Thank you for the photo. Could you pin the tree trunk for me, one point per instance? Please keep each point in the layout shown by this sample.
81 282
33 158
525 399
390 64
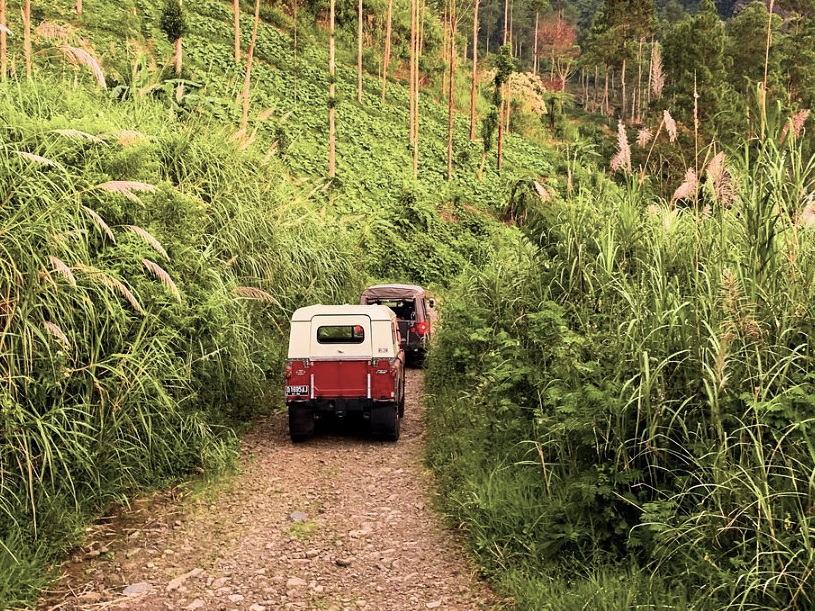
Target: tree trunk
412 91
638 93
178 58
27 37
475 70
596 86
79 7
236 9
650 76
3 42
444 50
605 91
511 24
359 52
622 85
506 21
417 38
420 13
450 121
535 47
386 61
500 146
247 79
332 100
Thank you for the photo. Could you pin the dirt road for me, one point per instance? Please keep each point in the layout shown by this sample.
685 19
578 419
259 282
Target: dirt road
338 523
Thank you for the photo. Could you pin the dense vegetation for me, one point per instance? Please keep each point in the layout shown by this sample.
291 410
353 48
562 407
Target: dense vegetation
620 392
640 376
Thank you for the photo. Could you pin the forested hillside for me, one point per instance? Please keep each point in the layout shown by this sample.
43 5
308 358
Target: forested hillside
618 229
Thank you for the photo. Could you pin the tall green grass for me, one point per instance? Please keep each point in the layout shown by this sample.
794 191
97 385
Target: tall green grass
641 385
146 275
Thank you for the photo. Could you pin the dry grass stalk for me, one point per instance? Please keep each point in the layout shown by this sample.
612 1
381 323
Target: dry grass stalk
127 137
670 125
82 57
53 31
644 137
265 115
687 190
795 124
62 269
806 218
657 76
163 276
148 237
79 135
100 222
113 283
720 180
58 333
544 195
622 159
256 294
127 188
37 159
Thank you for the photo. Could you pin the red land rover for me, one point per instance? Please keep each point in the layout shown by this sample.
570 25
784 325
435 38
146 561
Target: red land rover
345 359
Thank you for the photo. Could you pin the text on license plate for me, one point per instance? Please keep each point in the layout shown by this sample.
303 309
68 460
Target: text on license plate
296 390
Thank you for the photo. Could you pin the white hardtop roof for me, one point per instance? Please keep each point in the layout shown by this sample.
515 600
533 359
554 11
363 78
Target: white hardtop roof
374 312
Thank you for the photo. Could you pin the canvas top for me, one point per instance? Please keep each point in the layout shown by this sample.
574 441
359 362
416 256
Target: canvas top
374 312
392 291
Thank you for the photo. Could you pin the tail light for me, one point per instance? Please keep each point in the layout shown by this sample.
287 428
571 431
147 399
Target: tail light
422 327
394 367
288 371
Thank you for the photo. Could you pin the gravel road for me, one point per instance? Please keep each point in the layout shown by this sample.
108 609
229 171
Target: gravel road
338 523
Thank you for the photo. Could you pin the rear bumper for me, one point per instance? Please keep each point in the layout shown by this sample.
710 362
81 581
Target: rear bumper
338 406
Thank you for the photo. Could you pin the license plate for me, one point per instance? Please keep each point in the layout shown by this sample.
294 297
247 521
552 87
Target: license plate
296 390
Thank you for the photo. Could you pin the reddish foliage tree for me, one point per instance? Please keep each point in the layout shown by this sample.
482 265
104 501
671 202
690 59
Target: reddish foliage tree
558 42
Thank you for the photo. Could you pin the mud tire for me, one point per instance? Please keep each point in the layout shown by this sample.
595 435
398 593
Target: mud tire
301 423
386 423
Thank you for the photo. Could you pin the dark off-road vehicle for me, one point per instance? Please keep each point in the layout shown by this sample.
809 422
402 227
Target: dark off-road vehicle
345 360
412 307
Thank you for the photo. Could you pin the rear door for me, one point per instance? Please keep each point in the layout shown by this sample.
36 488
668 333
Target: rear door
341 353
345 379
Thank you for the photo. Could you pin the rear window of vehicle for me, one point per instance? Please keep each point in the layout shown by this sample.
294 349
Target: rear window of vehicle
404 309
340 334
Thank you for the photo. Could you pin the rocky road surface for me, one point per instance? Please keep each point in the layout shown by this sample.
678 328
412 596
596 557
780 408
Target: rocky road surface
338 523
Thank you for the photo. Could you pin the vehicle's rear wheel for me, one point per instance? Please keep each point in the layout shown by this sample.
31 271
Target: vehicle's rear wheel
301 423
385 422
402 402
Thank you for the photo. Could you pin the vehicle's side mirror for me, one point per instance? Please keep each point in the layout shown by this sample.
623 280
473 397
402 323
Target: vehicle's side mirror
431 303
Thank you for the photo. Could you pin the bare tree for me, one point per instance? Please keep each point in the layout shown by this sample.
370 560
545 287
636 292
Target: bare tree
332 100
535 46
359 51
506 21
387 59
415 38
173 26
247 79
27 37
475 70
3 42
236 11
411 91
450 121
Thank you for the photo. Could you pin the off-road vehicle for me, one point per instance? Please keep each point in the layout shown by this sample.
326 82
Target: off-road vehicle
412 307
345 360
